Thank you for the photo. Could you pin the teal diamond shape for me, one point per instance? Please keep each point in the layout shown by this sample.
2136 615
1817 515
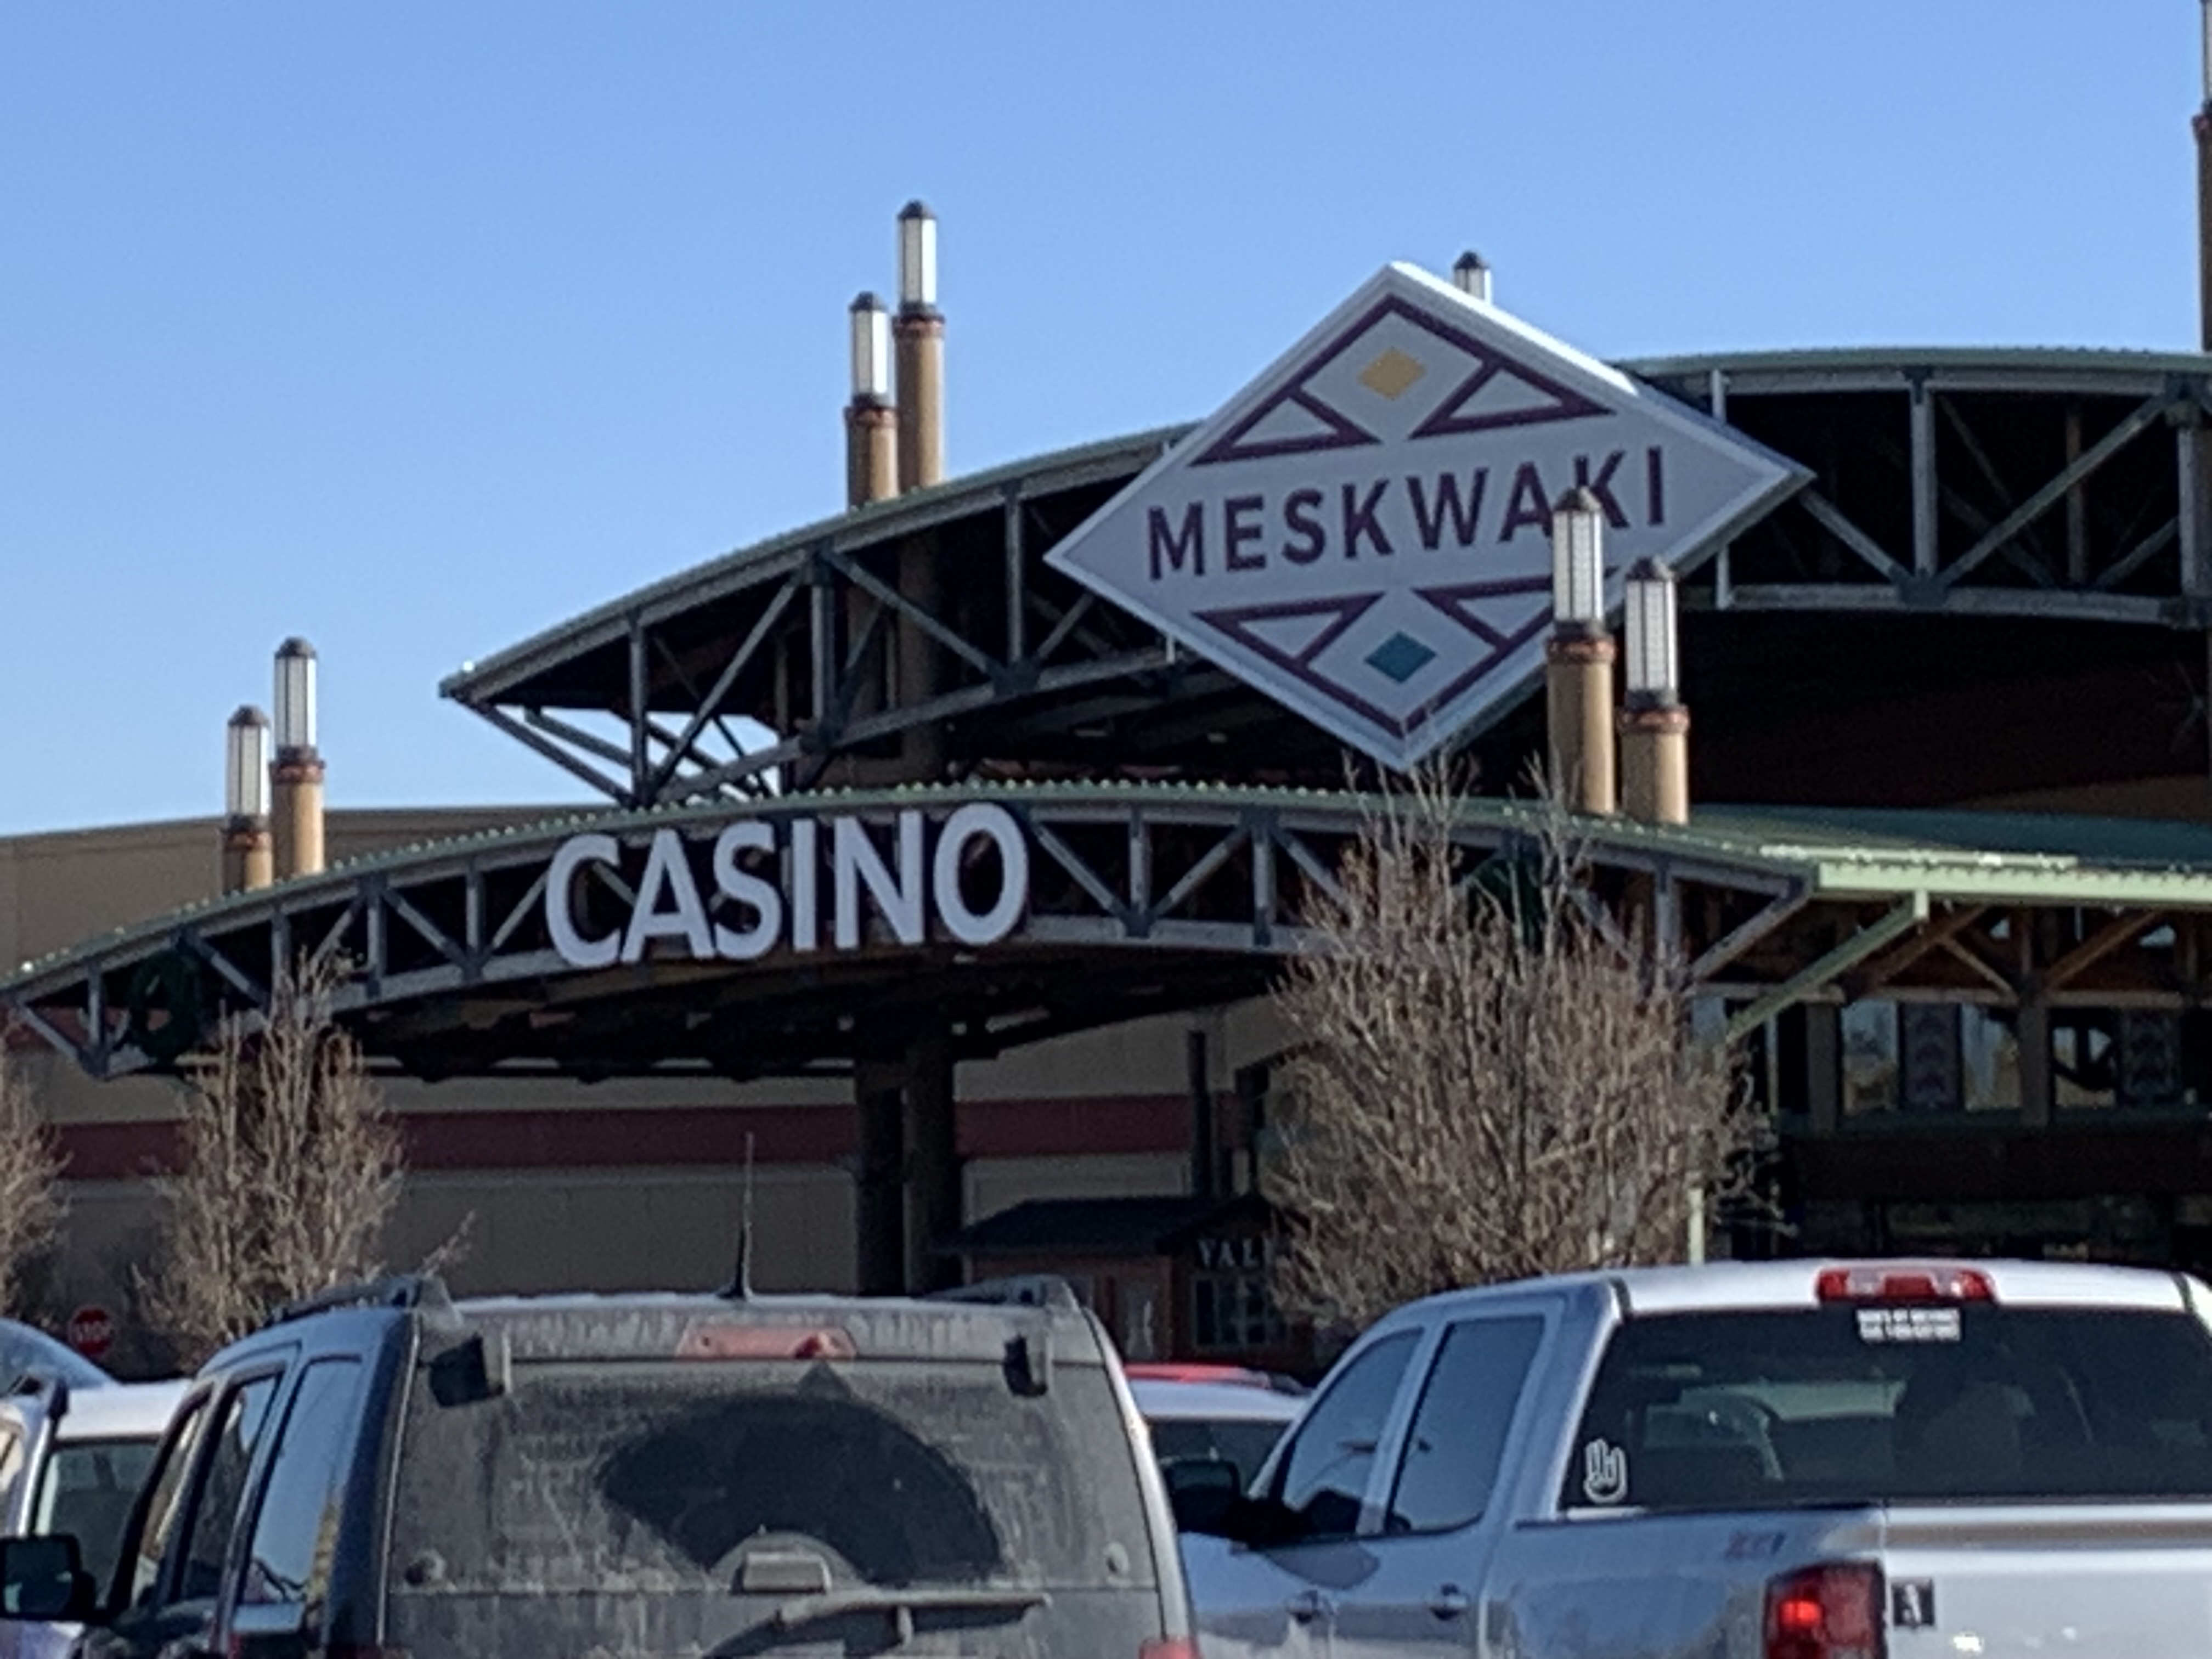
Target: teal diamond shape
1400 658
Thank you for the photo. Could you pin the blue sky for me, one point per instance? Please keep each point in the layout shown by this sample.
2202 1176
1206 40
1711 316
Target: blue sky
415 328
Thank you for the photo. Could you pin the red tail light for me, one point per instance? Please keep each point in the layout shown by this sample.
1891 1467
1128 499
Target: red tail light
1885 1282
1832 1612
1169 1647
731 1340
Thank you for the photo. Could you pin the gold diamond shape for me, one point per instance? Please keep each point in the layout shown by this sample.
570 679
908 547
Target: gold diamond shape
1390 375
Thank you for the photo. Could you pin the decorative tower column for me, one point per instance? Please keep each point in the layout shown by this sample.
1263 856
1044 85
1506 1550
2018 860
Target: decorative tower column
1579 659
919 332
1655 726
248 857
297 775
870 423
1471 276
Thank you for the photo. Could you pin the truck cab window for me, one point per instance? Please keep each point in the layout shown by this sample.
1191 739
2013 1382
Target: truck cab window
1323 1477
1458 1436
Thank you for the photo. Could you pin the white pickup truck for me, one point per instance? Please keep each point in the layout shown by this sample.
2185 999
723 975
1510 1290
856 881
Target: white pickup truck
1790 1459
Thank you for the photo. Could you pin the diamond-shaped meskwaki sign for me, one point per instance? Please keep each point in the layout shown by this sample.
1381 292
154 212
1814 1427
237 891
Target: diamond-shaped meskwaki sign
1364 533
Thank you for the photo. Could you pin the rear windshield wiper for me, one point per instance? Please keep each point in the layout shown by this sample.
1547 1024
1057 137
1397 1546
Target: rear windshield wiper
901 1605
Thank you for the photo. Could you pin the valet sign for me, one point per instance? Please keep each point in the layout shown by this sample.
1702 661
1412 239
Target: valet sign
1364 533
804 883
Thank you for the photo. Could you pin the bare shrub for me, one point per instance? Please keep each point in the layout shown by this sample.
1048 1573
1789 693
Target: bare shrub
30 1172
290 1172
1486 1086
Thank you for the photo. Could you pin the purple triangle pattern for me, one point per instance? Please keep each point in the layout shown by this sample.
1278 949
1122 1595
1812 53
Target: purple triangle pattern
1456 601
1449 418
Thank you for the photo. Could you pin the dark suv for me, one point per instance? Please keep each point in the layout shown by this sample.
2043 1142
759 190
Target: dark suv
383 1471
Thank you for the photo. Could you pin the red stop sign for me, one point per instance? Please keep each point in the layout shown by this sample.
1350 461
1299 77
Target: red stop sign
91 1332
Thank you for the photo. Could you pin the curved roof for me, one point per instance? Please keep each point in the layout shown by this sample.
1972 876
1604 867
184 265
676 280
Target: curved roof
879 521
2055 370
1997 541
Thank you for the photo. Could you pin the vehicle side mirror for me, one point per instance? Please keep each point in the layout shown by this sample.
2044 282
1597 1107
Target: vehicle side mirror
43 1578
1202 1491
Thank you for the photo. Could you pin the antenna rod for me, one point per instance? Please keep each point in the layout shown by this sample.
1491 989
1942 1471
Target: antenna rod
745 1229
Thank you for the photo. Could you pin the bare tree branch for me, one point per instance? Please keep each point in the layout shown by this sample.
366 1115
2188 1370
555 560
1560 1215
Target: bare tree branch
30 1169
1488 1086
291 1169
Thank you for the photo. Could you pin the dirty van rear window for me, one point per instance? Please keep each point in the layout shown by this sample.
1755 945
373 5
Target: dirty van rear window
614 1479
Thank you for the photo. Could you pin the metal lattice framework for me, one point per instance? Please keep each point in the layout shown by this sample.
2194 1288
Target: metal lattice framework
2049 485
925 637
1138 900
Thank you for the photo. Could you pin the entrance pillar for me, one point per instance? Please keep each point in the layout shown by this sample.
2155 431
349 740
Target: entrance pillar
880 1211
2032 1034
933 1189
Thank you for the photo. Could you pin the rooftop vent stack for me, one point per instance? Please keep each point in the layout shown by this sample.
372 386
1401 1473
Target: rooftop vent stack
2203 127
919 332
1655 726
1471 276
248 859
870 423
1578 659
296 776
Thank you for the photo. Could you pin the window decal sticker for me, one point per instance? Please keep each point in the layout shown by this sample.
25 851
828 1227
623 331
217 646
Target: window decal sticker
1908 1324
1605 1472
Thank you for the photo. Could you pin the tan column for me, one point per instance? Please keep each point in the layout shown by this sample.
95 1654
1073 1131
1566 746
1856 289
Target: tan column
920 346
296 778
1654 765
870 452
296 789
248 854
1579 718
870 423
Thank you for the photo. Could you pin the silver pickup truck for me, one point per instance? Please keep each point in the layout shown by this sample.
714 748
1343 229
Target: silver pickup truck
1792 1460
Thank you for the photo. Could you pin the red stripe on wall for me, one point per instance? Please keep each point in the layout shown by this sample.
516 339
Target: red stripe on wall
575 1139
116 1152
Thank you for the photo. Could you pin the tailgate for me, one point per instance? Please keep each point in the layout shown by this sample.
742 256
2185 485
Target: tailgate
2003 1582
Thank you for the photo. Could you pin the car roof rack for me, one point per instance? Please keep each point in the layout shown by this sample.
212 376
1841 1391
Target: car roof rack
425 1290
1016 1290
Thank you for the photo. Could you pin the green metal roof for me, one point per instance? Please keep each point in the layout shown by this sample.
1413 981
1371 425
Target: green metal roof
1993 857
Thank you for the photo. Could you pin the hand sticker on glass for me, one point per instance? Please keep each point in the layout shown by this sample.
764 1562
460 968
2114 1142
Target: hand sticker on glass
1605 1472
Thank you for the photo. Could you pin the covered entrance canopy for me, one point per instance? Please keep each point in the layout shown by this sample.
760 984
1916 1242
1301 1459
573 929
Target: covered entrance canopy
1002 914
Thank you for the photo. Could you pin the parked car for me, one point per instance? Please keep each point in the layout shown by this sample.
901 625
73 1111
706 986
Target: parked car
72 1460
1219 1414
383 1471
1796 1460
25 1350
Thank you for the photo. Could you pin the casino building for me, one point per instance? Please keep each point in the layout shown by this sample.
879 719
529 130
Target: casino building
947 845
